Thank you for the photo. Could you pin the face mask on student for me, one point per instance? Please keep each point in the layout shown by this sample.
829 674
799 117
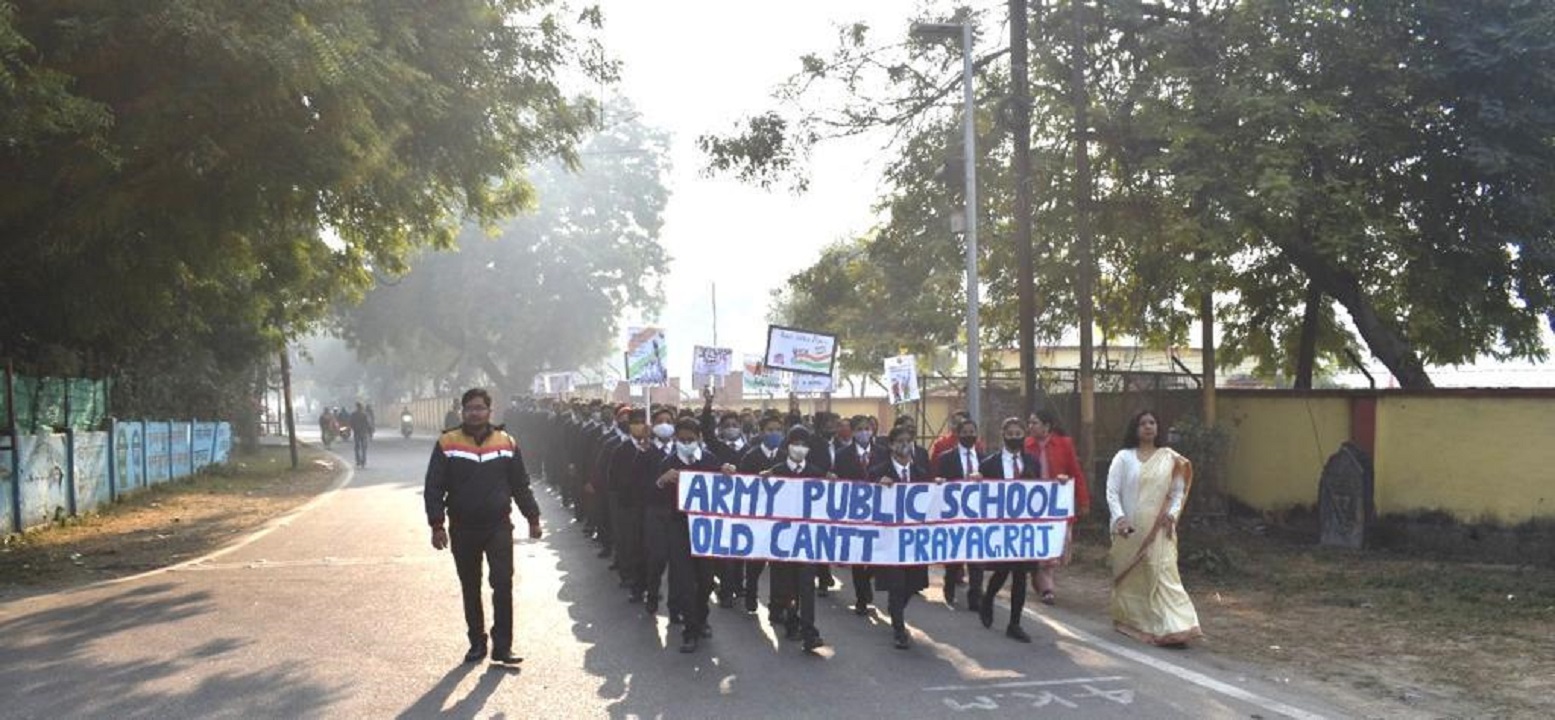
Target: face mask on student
798 453
729 433
772 439
968 441
902 448
1014 444
863 437
664 431
687 450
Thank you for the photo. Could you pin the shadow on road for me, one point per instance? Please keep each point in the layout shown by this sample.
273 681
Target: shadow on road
431 704
50 665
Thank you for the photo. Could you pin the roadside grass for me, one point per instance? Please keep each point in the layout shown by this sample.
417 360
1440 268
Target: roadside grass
166 523
1412 634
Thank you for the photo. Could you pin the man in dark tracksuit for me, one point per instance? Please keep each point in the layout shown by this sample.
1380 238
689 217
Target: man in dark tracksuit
475 474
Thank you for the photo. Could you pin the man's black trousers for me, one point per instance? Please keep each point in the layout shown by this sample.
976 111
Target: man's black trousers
494 544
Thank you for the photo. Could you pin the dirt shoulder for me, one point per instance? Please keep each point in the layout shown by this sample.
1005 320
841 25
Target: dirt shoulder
166 524
1381 634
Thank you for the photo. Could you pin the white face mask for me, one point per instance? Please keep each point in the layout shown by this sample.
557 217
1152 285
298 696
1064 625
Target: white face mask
664 431
798 453
687 450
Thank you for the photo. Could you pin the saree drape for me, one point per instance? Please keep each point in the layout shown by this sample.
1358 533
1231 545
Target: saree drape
1149 602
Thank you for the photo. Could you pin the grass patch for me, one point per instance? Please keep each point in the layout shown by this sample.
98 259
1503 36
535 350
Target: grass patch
166 523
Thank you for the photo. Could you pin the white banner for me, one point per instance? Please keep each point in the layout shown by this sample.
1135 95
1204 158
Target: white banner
901 374
757 378
711 361
645 353
866 523
810 383
800 351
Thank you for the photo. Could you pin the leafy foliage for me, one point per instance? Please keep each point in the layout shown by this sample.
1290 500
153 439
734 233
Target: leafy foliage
544 290
1391 157
170 166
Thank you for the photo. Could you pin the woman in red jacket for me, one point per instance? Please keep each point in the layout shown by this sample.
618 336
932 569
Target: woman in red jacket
1047 442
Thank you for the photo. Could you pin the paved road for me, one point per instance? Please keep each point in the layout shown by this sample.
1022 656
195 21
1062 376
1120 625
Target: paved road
345 611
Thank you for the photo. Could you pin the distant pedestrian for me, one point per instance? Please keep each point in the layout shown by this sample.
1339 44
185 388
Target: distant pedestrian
327 426
361 430
475 475
451 419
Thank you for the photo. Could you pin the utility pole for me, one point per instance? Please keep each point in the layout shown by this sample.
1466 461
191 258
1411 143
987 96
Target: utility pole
1082 226
1020 127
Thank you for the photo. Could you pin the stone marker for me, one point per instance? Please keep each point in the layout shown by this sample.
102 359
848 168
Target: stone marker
1345 497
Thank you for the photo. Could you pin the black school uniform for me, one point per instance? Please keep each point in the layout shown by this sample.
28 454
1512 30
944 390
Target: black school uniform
959 463
900 582
793 583
691 578
1021 466
756 460
853 463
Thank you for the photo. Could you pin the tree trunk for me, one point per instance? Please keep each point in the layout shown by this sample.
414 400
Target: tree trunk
1306 352
1384 340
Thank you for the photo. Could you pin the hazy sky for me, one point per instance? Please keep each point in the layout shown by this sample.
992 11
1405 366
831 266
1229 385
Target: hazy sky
697 66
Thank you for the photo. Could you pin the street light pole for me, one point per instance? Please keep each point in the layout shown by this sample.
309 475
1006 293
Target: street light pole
969 141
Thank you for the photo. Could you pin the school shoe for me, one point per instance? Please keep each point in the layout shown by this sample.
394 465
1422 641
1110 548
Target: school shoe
477 652
813 642
861 608
750 603
793 630
506 657
974 600
985 611
726 601
902 640
950 594
652 606
1014 632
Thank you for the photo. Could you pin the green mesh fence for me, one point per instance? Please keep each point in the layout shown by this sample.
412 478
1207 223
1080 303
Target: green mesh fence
41 403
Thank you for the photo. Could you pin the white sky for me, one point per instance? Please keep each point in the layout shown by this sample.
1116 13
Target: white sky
698 66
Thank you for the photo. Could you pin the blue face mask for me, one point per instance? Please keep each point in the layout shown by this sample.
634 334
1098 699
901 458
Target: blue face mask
862 437
772 440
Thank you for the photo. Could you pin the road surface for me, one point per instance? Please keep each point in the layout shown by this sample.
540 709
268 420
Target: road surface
344 610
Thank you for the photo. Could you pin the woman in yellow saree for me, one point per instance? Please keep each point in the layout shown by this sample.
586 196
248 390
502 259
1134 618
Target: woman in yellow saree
1147 487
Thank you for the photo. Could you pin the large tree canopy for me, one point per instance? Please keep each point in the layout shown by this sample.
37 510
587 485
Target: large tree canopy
167 167
544 291
1396 158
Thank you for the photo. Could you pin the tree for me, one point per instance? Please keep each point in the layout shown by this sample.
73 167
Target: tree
1393 158
233 136
543 291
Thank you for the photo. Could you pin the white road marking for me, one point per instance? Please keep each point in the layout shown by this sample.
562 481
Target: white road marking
1177 671
1024 684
